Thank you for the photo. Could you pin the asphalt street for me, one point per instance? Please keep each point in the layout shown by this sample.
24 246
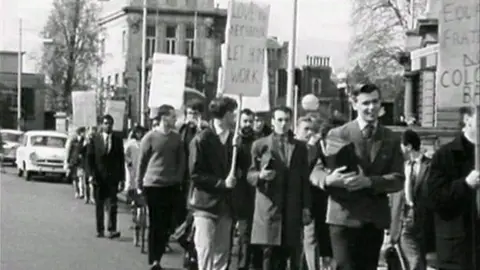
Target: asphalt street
44 228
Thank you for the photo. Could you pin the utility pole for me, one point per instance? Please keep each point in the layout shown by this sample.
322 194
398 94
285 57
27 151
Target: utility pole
19 76
143 65
292 48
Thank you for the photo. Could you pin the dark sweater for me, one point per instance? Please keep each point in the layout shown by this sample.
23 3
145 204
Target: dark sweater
161 162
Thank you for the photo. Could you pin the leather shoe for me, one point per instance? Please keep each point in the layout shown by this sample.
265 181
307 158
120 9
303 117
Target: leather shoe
100 234
114 235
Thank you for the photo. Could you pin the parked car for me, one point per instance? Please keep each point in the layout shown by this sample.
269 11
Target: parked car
42 153
11 139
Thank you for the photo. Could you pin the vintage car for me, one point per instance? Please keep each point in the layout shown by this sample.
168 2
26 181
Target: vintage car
11 139
42 153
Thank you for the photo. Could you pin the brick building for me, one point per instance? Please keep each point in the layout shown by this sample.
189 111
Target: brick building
170 29
33 95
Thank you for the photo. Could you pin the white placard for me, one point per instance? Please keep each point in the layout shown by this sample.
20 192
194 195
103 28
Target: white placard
256 104
116 108
246 39
458 74
168 80
84 108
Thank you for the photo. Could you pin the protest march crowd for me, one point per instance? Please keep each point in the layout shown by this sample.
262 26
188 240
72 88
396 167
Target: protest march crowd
320 195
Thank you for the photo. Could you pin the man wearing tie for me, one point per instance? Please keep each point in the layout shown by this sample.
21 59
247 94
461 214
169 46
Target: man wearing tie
411 222
105 157
358 208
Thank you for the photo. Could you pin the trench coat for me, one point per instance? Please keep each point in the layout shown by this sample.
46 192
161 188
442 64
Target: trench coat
279 204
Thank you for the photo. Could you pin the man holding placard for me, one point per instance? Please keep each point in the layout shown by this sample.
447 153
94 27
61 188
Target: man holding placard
210 159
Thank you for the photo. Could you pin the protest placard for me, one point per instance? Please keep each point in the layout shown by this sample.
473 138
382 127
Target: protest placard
458 76
116 108
168 80
246 39
84 108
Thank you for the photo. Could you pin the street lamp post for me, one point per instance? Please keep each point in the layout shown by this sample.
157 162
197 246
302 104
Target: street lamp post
19 76
292 48
143 65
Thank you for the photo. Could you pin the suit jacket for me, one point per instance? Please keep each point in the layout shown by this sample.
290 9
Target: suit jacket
277 218
76 152
384 167
209 164
453 202
422 216
107 168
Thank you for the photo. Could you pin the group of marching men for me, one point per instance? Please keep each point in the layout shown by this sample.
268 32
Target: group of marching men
323 196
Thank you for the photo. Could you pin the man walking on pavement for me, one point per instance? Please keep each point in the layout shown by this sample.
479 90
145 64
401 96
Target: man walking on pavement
210 158
106 164
161 166
279 173
358 182
75 161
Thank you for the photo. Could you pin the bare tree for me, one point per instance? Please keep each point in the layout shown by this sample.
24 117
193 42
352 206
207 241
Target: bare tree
379 28
70 62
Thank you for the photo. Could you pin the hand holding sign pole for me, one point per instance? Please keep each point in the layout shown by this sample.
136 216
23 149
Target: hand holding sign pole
243 66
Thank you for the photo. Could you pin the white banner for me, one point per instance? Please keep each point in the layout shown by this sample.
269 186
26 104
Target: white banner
84 108
116 108
168 80
256 104
246 39
458 77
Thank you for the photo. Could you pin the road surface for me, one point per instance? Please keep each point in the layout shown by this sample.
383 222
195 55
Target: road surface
44 228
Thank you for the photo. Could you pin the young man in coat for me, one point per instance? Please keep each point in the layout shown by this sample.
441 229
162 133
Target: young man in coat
358 182
279 172
453 186
411 226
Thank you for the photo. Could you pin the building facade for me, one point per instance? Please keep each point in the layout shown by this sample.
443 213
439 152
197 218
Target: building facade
171 30
32 99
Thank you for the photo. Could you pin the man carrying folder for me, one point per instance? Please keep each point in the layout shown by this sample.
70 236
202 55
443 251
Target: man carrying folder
364 164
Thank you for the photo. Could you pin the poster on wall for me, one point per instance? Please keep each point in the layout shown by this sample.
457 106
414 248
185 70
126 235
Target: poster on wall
116 108
84 110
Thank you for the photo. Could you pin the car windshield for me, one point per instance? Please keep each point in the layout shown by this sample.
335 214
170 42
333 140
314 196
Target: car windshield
48 141
10 137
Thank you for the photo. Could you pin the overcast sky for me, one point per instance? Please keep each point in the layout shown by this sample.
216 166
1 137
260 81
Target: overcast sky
323 27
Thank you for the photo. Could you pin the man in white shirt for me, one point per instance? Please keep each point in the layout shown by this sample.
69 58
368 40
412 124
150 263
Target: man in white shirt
410 218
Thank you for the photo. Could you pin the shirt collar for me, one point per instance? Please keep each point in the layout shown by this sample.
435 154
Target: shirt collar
219 130
362 123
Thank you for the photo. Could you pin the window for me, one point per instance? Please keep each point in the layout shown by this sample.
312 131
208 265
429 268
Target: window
49 141
190 41
28 103
108 80
171 36
172 3
10 136
124 41
116 80
150 40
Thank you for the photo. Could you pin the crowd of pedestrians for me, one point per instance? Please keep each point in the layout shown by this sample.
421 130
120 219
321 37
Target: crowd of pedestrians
318 195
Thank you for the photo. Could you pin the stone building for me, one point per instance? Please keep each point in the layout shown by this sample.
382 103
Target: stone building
33 95
170 29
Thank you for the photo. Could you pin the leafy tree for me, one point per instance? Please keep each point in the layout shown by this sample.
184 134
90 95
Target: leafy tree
70 61
379 34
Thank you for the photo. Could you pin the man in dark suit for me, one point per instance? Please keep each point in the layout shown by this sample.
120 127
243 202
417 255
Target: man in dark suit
75 161
452 187
279 172
358 209
106 163
411 223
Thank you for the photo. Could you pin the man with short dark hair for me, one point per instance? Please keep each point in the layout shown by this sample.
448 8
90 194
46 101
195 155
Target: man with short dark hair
358 182
411 221
260 127
75 162
452 187
279 173
106 164
161 166
210 158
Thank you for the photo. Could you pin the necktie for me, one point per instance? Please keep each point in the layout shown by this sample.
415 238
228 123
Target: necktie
108 143
367 131
409 183
282 146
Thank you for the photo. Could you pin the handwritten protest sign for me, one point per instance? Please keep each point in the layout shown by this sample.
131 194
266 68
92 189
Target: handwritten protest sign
246 38
168 80
84 108
458 74
116 108
256 104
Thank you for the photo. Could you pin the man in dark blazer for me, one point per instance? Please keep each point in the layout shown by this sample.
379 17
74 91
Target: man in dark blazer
279 172
106 164
452 188
411 227
358 208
